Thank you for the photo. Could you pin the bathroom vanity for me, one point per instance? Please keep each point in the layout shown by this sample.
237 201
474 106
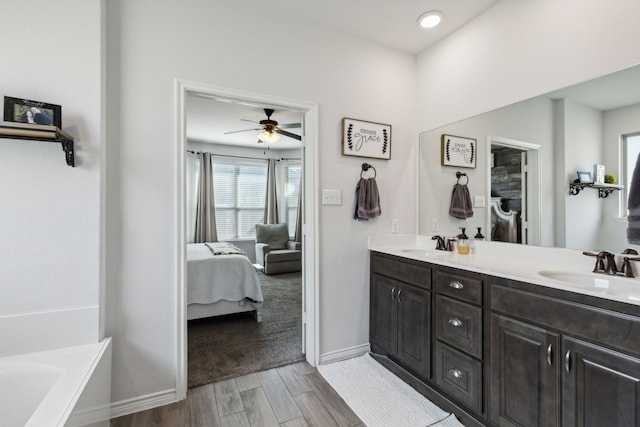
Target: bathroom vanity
505 337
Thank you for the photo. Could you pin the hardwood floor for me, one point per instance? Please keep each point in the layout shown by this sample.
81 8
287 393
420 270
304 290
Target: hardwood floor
290 396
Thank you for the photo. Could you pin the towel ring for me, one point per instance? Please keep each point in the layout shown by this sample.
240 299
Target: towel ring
460 175
366 167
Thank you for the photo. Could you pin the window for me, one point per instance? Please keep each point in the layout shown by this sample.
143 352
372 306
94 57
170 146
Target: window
630 153
239 190
290 196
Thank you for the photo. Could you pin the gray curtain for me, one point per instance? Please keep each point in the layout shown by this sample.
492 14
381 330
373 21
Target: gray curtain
298 234
205 211
271 199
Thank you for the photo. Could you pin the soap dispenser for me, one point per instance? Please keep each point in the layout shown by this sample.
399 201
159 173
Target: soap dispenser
463 242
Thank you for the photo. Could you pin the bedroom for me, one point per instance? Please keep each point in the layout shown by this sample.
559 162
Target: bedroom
244 298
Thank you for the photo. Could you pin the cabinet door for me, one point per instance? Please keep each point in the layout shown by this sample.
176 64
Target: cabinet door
383 316
600 387
414 325
525 374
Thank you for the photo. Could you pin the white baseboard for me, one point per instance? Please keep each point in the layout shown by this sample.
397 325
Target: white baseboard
142 403
344 354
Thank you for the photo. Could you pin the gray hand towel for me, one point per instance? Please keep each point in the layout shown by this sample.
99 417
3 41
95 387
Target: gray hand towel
633 204
367 200
460 202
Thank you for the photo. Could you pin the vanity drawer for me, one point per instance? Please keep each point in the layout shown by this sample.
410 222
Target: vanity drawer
402 271
459 375
459 324
459 286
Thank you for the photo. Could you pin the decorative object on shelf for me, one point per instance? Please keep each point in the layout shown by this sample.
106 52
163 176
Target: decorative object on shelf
610 179
598 174
366 139
459 151
584 177
37 132
32 112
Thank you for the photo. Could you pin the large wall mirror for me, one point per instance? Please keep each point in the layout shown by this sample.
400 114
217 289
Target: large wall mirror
527 154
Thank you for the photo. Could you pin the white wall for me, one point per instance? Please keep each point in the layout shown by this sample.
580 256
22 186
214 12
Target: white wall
616 123
582 143
227 44
517 50
50 212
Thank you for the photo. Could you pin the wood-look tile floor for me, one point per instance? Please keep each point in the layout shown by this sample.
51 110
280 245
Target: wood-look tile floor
290 396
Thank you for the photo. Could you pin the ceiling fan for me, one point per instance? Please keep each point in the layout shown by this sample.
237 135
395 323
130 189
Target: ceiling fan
271 130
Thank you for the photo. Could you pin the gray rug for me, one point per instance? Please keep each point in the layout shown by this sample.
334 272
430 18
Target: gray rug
229 346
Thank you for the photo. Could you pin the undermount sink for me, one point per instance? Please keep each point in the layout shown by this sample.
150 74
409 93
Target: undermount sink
426 252
597 282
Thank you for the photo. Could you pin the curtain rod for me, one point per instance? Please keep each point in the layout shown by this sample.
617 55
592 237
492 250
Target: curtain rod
244 157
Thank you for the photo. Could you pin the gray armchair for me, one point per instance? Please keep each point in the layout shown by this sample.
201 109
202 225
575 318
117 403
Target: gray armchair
274 251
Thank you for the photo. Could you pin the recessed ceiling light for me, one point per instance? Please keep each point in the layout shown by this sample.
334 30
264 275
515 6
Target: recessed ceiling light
430 19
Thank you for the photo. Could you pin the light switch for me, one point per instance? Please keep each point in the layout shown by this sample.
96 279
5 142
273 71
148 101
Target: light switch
478 202
332 197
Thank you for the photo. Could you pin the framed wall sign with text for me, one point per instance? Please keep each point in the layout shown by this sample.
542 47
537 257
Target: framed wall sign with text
366 139
458 151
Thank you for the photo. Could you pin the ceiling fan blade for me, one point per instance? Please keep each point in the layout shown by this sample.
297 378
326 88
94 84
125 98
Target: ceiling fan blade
247 120
289 134
290 125
244 130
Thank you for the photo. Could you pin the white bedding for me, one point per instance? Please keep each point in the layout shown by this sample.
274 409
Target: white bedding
212 278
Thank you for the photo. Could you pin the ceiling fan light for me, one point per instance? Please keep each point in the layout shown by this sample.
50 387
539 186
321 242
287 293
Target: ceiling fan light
268 136
430 19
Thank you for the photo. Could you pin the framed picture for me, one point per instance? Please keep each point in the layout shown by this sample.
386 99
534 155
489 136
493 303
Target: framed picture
28 111
585 177
366 139
459 151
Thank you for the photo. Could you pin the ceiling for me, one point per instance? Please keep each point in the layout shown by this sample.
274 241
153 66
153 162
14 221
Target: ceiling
395 26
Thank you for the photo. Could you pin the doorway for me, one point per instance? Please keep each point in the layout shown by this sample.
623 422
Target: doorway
310 299
513 213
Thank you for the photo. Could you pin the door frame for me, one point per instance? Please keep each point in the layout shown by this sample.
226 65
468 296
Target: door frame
310 318
534 211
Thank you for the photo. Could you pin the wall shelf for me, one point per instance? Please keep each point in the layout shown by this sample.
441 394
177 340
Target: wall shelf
603 189
40 133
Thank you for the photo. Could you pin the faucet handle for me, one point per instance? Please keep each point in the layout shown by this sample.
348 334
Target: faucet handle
630 251
626 266
600 256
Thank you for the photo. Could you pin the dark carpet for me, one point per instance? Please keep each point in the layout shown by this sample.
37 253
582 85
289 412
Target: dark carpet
224 347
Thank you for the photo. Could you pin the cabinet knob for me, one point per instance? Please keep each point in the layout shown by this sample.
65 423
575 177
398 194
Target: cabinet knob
455 373
455 322
456 285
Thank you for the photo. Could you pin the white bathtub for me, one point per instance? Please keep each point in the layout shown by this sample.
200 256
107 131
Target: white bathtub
44 388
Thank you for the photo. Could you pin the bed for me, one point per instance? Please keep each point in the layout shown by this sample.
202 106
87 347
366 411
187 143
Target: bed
221 280
504 225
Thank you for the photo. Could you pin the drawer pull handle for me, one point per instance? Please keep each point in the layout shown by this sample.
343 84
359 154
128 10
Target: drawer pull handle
455 322
549 354
567 361
456 285
455 373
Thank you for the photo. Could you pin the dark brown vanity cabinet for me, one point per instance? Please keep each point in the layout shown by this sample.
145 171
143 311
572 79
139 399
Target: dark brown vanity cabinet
458 351
400 315
544 372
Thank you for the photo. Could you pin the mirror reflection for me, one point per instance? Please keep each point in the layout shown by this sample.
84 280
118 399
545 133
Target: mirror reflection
527 155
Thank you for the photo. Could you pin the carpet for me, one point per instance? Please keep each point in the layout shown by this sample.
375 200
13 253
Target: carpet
380 398
224 347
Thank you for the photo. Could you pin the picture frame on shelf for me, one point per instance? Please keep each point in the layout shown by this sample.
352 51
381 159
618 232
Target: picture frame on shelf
585 177
366 139
458 151
20 110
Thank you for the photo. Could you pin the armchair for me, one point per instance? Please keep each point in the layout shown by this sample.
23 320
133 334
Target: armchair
274 251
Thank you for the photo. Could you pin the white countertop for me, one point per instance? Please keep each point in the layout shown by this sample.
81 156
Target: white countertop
518 262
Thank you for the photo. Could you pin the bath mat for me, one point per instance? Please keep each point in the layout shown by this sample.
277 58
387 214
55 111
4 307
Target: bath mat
380 398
